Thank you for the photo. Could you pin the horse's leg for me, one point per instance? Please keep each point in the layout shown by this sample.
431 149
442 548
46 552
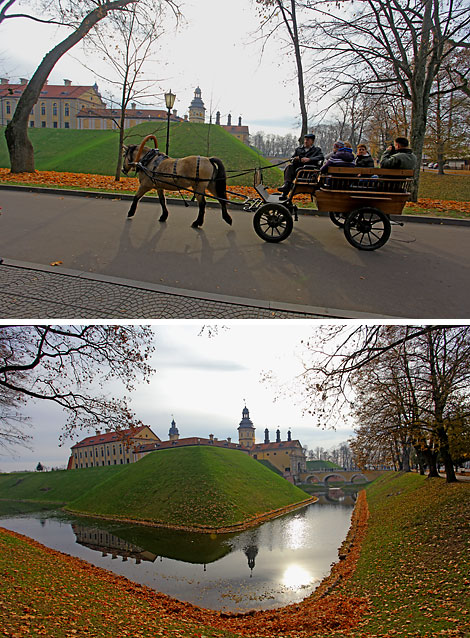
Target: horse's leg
137 197
161 196
225 214
202 209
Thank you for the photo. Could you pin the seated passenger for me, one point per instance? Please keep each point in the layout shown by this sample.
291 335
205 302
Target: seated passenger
399 155
342 156
305 156
363 158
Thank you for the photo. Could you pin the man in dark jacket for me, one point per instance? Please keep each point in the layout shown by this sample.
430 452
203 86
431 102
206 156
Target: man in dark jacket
363 158
398 155
304 156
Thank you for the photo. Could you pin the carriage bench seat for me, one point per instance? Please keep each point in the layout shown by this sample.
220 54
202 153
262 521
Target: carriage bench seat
385 181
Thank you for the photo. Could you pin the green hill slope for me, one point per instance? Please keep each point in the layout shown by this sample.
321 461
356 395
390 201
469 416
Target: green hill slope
54 487
96 151
194 486
322 465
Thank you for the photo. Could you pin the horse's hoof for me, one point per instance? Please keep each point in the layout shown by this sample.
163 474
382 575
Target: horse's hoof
229 221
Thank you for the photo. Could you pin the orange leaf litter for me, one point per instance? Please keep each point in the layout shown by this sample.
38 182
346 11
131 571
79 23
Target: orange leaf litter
107 182
327 609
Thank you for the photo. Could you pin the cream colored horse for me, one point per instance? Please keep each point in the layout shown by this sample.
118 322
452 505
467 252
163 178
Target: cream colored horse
162 173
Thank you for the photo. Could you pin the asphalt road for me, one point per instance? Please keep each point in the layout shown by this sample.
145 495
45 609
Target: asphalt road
422 272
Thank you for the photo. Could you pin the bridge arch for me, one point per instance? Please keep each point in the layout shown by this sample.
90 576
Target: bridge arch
358 478
313 479
334 478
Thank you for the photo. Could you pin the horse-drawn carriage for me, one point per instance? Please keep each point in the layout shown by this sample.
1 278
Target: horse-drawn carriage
359 200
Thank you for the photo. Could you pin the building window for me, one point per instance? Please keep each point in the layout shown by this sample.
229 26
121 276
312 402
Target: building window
8 108
66 110
67 125
43 124
31 124
43 108
114 461
54 108
121 461
55 124
107 450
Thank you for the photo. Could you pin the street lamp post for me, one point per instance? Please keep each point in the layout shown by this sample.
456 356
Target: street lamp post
169 101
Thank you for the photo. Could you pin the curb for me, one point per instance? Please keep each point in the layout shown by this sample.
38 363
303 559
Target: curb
419 219
280 306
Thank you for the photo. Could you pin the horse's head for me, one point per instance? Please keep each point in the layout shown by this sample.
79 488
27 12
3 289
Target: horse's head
128 157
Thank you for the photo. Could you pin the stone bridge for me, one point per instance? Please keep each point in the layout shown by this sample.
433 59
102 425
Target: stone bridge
339 476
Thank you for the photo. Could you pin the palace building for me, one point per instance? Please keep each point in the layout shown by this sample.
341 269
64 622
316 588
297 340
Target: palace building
110 448
58 106
128 446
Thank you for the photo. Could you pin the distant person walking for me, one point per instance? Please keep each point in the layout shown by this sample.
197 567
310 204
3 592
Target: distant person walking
399 155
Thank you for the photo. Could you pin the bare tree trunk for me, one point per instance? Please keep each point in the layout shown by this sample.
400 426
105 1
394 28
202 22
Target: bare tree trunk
16 133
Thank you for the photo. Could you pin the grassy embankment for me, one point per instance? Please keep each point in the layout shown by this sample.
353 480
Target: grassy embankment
414 568
189 487
95 152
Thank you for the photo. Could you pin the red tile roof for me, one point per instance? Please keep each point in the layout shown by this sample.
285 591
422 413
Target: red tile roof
193 440
48 90
107 437
236 129
138 114
276 446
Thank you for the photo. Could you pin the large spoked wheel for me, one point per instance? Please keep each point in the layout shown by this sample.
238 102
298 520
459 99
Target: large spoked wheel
338 219
367 228
273 222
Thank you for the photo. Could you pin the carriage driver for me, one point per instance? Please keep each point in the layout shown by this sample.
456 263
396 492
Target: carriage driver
304 156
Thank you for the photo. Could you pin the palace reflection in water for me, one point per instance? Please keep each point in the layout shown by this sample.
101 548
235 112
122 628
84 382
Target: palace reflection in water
275 564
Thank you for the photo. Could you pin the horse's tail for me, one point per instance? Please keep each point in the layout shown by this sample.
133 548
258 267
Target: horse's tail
220 177
142 144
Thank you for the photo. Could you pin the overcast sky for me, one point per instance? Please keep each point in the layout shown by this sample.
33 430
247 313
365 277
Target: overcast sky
211 49
203 383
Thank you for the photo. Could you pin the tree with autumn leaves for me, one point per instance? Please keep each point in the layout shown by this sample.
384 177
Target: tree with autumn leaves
73 367
406 386
79 17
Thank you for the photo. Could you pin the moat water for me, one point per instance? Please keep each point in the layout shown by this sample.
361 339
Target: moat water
275 564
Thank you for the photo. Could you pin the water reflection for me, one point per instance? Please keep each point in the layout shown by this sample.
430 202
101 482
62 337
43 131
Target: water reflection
277 563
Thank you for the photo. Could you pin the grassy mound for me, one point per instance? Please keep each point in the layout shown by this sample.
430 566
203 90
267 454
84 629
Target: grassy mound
415 560
95 152
322 465
53 487
193 486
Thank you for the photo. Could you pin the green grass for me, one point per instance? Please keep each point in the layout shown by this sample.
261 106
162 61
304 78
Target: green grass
96 152
449 187
200 486
58 487
415 560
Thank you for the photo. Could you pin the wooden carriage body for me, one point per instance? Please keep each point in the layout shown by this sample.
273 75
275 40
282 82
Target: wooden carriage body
344 189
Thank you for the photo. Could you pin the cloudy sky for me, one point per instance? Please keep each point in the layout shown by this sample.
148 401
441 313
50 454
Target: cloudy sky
203 383
214 48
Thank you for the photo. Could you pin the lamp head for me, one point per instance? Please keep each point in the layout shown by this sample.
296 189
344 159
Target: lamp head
169 99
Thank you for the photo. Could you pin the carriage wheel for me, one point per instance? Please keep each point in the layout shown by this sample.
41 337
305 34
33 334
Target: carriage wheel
338 219
273 222
367 228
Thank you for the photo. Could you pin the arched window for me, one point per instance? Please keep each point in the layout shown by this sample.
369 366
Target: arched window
54 108
8 108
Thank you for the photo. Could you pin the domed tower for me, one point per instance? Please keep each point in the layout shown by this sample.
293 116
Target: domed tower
173 432
197 110
246 430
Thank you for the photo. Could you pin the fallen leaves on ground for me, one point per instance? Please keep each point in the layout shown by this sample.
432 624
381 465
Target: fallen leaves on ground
87 181
51 593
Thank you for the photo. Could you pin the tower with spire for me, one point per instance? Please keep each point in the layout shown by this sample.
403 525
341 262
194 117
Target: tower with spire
246 430
173 433
197 110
